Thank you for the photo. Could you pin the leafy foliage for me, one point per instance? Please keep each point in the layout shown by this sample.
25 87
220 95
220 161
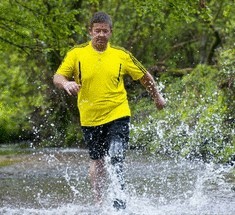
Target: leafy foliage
194 123
165 36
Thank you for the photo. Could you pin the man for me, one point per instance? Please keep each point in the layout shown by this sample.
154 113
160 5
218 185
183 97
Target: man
94 71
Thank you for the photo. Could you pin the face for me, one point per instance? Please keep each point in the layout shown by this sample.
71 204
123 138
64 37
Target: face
100 34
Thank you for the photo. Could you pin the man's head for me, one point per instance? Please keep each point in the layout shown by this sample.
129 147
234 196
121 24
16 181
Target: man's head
101 17
100 30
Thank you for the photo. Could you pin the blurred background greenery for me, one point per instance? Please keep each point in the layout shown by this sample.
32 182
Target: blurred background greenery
187 45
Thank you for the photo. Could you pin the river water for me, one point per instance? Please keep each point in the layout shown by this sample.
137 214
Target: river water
55 182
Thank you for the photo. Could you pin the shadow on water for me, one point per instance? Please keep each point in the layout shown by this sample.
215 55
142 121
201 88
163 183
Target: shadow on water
55 181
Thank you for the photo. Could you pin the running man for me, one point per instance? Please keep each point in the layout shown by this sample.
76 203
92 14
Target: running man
94 72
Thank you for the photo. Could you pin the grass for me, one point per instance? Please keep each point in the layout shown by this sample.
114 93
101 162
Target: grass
9 154
6 162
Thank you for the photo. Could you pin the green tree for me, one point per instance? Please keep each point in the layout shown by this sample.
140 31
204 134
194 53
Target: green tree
171 38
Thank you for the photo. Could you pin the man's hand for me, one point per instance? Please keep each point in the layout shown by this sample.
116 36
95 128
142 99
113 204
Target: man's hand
160 102
71 87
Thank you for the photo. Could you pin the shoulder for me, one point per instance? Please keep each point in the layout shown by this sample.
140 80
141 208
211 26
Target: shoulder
78 47
120 50
82 45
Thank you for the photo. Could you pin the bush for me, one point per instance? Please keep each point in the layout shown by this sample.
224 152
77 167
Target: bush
192 125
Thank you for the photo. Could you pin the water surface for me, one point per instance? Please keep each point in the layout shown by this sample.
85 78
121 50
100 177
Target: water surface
56 182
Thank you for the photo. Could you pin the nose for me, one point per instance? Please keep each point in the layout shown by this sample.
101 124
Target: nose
101 33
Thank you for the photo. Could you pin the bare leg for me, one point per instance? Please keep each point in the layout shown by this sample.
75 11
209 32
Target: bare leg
97 176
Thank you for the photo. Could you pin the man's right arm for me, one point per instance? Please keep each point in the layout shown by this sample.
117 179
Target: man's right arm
61 82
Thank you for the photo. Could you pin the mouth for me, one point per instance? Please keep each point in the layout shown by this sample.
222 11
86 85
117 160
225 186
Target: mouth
101 40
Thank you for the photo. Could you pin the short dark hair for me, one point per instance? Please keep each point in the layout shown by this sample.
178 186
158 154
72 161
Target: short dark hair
101 17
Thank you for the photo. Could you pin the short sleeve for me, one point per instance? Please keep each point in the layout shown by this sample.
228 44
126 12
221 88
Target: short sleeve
134 68
67 67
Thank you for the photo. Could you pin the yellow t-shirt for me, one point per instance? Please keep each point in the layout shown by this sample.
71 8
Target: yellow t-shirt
102 97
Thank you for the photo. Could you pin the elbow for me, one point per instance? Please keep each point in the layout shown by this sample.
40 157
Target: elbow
56 81
147 80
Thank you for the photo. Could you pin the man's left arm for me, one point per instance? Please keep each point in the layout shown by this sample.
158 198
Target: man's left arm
148 82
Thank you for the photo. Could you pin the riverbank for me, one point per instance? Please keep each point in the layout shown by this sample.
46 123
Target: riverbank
12 153
7 160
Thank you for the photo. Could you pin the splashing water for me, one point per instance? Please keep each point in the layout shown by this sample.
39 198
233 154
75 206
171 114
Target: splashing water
55 182
116 183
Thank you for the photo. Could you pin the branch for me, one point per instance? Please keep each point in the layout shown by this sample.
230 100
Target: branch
218 40
176 46
12 30
35 12
23 48
159 69
202 3
15 22
215 45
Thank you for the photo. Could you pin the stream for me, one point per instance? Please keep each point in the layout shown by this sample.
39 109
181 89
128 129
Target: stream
55 182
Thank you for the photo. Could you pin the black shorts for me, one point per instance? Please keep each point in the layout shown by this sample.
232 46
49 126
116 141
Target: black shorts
98 138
